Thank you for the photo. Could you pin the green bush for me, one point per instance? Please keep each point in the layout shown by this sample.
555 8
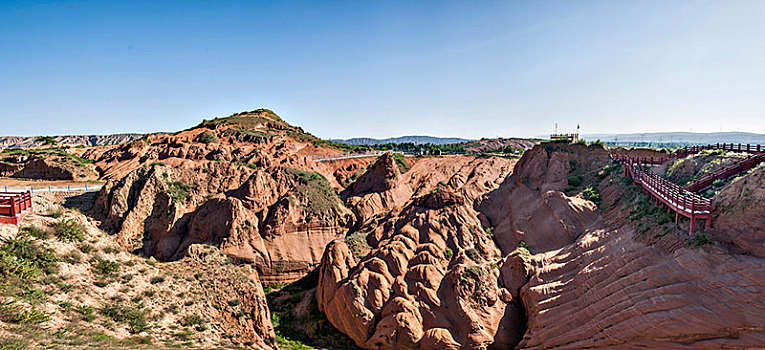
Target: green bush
575 181
34 231
208 137
591 194
46 140
133 316
23 258
178 191
192 320
701 239
357 244
105 267
157 280
70 231
18 315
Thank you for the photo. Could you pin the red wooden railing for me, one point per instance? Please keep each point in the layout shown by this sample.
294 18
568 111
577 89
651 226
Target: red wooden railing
13 206
662 191
725 172
645 160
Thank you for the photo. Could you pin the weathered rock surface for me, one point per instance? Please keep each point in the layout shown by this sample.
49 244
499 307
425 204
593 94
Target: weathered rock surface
248 191
17 142
530 205
740 214
434 278
431 279
614 292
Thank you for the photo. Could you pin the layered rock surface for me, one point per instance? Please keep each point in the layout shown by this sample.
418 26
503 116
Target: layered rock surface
252 193
431 278
435 278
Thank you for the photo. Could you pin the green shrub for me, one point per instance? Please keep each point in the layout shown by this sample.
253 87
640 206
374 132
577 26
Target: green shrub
157 280
178 191
23 258
591 194
133 316
357 244
70 231
34 231
18 315
234 302
252 166
575 181
46 140
208 137
448 254
192 320
105 267
701 239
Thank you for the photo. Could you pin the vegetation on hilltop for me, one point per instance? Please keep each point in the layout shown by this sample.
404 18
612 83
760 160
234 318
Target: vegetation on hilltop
265 124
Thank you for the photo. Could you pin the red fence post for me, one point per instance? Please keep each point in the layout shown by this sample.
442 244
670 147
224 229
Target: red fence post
12 202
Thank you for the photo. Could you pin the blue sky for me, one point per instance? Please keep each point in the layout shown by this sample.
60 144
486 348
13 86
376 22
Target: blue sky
364 68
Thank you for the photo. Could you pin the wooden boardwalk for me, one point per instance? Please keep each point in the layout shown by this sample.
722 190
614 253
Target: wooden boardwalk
683 200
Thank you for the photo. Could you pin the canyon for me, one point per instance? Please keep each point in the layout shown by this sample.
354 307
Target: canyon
552 249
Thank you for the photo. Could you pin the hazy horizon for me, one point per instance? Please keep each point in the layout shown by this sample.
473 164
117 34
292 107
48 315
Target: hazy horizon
384 69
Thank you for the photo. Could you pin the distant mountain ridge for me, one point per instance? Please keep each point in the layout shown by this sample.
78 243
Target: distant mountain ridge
680 137
417 140
17 142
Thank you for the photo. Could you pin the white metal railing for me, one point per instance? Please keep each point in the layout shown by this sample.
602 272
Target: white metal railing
330 157
62 188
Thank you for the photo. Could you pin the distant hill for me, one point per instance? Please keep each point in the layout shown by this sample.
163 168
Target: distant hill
678 138
417 140
16 142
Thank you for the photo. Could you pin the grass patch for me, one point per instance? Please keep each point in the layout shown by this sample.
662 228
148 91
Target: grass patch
403 166
314 190
69 231
178 191
134 316
357 244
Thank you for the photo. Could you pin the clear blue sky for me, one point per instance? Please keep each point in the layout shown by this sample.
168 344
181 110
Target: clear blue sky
364 68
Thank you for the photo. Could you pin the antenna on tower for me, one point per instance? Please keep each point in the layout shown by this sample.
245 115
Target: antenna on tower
556 128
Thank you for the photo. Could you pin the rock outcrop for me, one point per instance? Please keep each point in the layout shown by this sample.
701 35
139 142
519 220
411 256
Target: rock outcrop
740 214
278 219
530 206
431 278
563 270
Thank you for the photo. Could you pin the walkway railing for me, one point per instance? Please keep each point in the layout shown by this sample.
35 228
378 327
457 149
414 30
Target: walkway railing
677 199
645 160
725 172
331 157
63 188
730 147
13 206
